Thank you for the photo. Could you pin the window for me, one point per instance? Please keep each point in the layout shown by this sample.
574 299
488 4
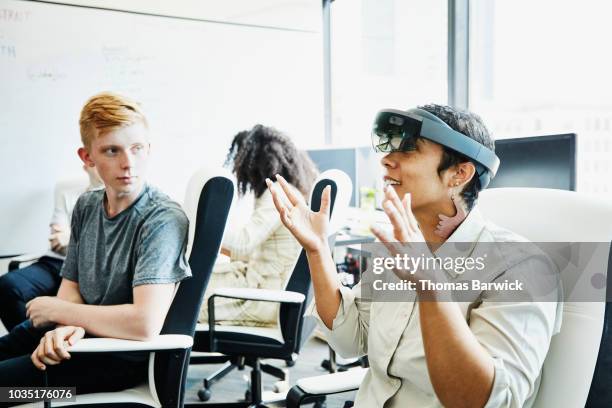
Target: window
385 54
543 67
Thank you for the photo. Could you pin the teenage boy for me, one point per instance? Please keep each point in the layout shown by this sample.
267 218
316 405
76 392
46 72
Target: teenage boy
125 256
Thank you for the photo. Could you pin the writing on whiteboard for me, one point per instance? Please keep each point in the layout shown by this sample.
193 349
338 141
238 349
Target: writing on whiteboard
8 51
45 73
13 15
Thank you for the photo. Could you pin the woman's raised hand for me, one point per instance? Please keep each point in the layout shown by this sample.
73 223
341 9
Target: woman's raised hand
406 238
405 226
308 227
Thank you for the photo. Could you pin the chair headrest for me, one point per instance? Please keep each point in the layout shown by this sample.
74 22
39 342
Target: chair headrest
192 194
343 196
547 215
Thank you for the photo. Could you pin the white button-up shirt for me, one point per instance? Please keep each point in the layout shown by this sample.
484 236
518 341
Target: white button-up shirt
516 335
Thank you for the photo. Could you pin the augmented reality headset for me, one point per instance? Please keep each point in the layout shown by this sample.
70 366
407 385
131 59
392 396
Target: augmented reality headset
396 130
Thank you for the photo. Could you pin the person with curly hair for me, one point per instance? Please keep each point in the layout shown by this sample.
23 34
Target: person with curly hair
263 252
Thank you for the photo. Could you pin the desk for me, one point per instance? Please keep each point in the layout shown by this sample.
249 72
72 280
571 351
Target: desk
353 252
350 239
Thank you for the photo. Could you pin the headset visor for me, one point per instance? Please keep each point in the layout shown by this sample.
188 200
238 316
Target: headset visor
393 133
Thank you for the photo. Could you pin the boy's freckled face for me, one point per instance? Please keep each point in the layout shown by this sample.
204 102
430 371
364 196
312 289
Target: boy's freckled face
121 157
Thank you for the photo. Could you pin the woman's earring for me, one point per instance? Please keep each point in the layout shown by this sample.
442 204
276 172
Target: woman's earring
447 225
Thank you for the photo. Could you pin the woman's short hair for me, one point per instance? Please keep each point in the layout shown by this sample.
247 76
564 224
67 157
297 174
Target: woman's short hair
470 125
263 152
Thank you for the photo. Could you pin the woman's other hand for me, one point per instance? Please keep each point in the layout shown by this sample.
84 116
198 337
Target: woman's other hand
406 238
308 227
405 226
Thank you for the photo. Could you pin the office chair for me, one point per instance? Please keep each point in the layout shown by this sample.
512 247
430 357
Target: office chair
540 215
207 205
544 215
242 346
21 261
600 394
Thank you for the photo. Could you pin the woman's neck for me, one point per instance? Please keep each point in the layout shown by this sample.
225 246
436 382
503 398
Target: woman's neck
428 219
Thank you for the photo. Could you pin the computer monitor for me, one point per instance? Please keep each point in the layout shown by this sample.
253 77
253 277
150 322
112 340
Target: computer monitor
541 161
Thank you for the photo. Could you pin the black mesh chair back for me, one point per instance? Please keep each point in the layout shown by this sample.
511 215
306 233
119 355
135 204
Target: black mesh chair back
600 394
212 210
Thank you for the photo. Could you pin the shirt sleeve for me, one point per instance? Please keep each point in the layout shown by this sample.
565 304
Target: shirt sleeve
61 214
70 269
349 333
161 249
263 222
517 335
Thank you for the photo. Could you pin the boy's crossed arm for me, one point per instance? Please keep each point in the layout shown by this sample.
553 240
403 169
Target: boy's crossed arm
140 320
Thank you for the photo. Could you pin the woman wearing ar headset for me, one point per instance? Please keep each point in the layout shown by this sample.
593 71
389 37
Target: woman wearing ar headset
429 351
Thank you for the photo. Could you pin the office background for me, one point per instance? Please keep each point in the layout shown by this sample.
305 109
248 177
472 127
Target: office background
317 70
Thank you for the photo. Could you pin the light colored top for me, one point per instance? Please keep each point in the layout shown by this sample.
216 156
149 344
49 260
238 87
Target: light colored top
265 245
516 334
65 196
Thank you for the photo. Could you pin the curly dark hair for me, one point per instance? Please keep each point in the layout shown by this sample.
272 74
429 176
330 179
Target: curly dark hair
263 152
470 125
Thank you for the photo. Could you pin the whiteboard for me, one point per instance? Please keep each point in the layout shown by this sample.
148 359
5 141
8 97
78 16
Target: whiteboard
199 84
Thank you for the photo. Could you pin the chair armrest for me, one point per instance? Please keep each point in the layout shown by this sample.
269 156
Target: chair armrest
103 345
31 257
333 383
294 300
268 295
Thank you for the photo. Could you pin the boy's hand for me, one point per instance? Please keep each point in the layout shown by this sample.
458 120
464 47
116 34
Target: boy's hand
60 235
52 347
41 310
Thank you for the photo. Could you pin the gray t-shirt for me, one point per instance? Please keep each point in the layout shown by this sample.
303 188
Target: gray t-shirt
143 244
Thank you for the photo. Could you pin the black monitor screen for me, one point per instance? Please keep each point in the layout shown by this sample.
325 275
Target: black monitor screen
542 161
